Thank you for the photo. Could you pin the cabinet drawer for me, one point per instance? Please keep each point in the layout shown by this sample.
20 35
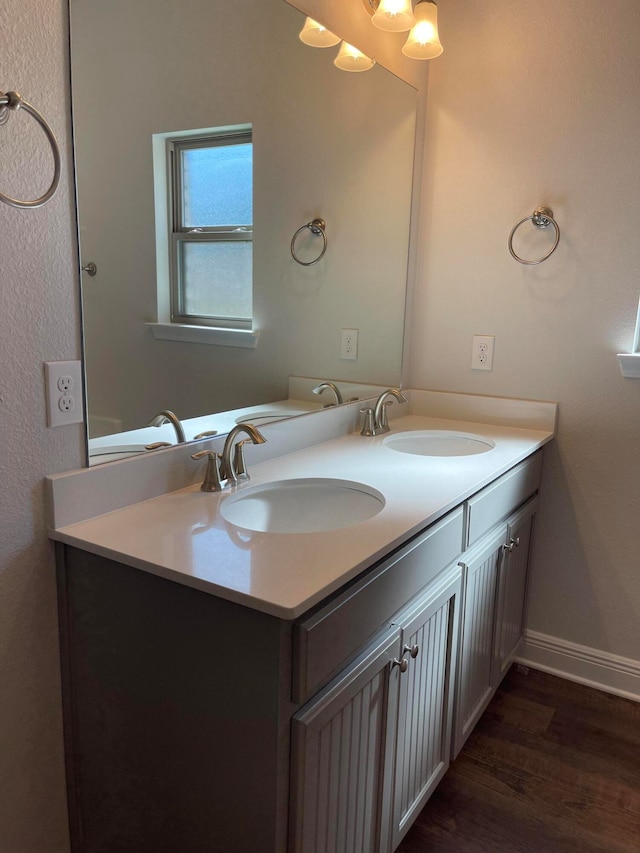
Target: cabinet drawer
501 498
323 642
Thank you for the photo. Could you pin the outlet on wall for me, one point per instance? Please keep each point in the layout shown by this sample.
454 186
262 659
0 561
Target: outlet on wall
349 344
482 352
63 383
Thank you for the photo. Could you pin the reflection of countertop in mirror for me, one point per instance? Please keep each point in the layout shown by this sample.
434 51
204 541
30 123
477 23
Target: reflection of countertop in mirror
121 444
182 536
301 400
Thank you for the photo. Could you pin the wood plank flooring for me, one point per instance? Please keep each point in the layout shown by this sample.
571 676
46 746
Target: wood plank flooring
552 766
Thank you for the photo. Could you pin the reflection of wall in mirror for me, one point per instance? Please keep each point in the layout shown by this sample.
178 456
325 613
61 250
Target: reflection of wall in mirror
326 143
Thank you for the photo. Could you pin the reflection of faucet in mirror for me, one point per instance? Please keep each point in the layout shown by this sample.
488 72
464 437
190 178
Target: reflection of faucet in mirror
323 386
380 422
168 417
236 470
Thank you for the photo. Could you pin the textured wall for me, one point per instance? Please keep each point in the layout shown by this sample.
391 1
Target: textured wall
38 322
538 103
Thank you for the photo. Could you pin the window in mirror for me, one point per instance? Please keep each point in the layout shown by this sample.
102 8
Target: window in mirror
210 240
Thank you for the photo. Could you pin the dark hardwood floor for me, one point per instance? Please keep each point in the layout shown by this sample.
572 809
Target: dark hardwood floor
552 766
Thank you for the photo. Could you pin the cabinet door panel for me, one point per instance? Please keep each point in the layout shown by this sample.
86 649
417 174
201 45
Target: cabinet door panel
477 650
340 739
510 623
423 744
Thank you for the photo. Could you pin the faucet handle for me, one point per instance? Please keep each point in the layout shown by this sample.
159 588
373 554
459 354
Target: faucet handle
205 434
212 481
368 428
239 465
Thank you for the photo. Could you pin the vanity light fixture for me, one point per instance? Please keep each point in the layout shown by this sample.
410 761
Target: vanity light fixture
423 41
394 16
349 58
397 16
315 35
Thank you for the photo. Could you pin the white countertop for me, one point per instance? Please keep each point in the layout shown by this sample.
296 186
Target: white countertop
182 537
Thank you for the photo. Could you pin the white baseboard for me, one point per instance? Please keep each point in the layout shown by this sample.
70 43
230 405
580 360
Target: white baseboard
610 673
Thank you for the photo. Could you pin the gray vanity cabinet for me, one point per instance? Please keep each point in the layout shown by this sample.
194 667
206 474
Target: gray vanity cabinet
370 749
196 724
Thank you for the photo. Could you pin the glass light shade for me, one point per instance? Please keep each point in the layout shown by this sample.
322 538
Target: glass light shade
423 41
349 58
315 35
394 16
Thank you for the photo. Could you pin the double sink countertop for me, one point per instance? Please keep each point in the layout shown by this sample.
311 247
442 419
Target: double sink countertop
181 535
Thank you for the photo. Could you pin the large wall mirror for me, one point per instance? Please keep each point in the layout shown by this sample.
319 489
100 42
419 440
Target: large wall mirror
326 143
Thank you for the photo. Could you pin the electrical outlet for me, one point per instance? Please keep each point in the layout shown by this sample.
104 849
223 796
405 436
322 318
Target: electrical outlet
349 344
63 383
482 352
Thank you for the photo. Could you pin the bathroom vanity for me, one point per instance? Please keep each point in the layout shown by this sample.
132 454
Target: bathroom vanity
235 690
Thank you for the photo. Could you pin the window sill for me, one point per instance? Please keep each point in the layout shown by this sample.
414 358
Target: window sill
245 338
630 364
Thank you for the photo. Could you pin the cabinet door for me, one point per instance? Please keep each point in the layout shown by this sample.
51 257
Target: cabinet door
510 620
475 682
423 742
339 743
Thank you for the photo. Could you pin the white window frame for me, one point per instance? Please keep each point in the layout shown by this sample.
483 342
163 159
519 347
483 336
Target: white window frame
172 323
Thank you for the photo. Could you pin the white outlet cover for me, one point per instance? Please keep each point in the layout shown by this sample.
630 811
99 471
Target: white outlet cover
482 352
349 344
63 385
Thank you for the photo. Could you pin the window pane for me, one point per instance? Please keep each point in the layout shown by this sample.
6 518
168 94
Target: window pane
216 279
217 185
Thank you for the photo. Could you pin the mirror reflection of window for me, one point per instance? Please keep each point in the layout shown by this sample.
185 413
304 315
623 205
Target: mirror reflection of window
210 239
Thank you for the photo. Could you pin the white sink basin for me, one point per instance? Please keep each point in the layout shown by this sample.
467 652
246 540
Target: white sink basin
302 506
438 443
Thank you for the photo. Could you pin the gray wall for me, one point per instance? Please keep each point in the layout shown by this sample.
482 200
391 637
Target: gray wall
538 103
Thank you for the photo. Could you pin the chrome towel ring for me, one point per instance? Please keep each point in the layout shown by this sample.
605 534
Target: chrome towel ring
317 227
542 217
13 101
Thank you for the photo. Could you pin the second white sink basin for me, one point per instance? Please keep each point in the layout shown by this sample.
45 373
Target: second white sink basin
302 506
438 443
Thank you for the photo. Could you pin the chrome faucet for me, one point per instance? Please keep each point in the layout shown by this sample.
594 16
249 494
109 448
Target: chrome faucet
167 417
376 422
235 470
323 386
